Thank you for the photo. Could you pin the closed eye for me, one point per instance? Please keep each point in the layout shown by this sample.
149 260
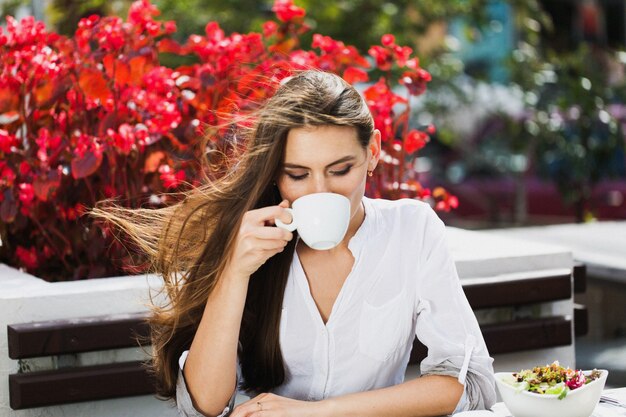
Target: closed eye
343 171
296 177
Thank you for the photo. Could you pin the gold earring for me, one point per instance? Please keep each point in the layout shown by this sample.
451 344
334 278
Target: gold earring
370 173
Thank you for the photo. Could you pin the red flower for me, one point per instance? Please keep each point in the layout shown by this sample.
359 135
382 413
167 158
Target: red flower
7 176
123 139
286 11
336 55
269 28
415 141
170 27
444 200
355 75
26 197
24 168
86 143
27 257
27 194
142 11
214 32
415 81
326 43
170 178
383 57
3 39
402 54
388 40
46 142
381 101
7 141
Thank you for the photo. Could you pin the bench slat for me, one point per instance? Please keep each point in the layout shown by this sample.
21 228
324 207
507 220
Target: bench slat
63 386
518 292
57 337
515 336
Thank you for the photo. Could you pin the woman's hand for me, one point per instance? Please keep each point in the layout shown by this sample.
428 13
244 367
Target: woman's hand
271 405
258 239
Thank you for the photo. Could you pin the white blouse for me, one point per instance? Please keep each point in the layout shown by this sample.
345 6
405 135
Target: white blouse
403 284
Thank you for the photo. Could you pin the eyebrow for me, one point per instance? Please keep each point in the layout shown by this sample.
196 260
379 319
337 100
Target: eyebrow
338 161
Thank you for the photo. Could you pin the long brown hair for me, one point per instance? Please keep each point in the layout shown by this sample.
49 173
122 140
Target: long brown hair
189 242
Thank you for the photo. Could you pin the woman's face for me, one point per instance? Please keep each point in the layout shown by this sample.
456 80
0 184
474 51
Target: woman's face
327 159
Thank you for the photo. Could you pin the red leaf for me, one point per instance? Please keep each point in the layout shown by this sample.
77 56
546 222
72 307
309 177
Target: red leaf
86 165
45 185
153 161
110 121
116 70
93 84
168 45
9 100
44 92
139 66
284 47
8 207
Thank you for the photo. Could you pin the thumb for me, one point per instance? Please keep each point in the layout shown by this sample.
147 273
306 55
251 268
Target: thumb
284 203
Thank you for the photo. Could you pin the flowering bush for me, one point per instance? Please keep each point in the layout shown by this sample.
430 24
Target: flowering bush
97 116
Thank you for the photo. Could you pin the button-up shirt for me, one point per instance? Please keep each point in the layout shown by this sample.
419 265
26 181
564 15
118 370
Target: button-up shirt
403 284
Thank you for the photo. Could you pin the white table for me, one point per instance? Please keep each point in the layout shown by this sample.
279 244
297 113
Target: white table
602 410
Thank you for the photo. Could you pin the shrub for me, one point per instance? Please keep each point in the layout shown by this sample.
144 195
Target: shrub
97 115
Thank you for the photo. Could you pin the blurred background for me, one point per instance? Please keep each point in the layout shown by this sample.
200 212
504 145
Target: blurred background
528 99
527 96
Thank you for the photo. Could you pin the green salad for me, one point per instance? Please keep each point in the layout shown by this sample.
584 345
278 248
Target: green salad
551 379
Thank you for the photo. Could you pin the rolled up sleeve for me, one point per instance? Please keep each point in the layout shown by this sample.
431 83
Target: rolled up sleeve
447 326
184 403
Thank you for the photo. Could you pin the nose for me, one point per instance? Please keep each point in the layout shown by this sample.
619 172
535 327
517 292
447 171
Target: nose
320 184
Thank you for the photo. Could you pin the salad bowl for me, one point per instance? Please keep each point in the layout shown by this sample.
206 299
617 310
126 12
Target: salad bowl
578 402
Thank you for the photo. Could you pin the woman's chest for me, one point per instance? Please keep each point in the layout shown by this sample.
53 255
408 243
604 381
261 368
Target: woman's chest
325 278
372 324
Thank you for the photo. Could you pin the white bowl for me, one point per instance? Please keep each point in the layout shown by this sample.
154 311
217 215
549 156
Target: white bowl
578 403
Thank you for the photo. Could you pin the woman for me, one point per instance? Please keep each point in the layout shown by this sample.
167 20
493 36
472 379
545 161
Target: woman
306 332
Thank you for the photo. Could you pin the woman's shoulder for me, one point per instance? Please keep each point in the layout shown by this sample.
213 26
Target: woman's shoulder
407 217
403 208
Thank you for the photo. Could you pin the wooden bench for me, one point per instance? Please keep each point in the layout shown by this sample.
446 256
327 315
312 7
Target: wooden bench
114 380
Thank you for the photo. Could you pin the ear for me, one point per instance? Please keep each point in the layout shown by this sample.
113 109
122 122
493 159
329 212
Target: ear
374 149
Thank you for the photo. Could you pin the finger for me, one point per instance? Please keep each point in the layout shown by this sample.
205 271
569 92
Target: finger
243 410
285 218
274 233
261 245
260 216
248 407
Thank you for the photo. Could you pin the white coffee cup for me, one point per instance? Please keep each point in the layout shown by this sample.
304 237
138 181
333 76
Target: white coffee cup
321 219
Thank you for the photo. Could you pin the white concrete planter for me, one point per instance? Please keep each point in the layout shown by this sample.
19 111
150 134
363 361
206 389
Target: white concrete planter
24 299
